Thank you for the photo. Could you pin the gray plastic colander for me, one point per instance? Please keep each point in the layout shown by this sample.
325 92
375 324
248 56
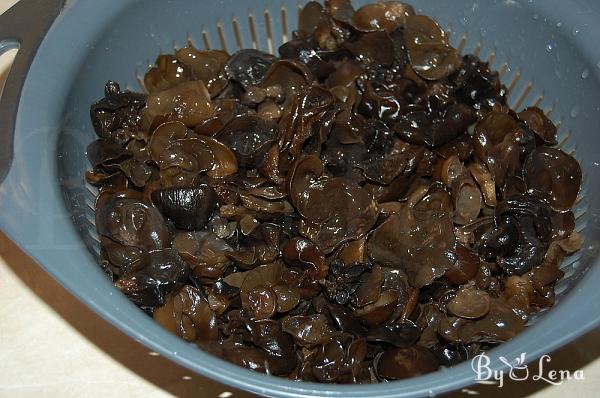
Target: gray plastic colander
547 50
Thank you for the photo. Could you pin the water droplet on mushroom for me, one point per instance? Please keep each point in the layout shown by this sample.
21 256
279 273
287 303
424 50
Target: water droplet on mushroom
549 47
536 17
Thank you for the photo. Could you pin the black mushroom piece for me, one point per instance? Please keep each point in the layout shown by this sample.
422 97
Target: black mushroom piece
117 116
401 335
248 67
496 143
166 72
339 360
206 66
132 223
187 313
435 124
554 174
157 274
205 253
103 153
429 53
402 363
501 323
387 15
540 124
364 207
470 304
250 138
189 103
287 77
188 208
301 252
477 85
311 117
523 231
420 244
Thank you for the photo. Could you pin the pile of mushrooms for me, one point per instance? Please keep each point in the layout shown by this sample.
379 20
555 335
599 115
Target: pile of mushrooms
364 207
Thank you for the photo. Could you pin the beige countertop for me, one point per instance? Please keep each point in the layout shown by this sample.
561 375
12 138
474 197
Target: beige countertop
51 345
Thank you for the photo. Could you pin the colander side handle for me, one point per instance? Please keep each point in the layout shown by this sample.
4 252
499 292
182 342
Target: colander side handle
22 27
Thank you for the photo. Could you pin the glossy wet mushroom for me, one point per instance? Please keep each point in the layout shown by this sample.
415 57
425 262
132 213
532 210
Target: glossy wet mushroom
250 138
554 173
430 55
364 207
187 207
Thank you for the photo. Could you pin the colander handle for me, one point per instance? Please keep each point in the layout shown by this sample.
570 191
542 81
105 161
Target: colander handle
22 27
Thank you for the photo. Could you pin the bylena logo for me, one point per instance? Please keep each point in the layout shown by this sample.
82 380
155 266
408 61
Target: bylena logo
518 370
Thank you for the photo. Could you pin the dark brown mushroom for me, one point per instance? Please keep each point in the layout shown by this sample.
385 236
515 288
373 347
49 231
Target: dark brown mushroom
224 160
500 324
132 223
301 252
496 145
379 311
309 17
465 268
450 169
365 207
470 303
204 252
467 200
251 358
250 138
400 335
307 331
106 153
188 154
428 50
376 48
312 114
292 76
118 114
207 66
420 245
248 67
166 73
339 360
402 363
119 256
486 183
536 120
369 289
288 297
261 302
187 207
388 15
555 174
187 314
157 274
163 135
269 336
188 103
